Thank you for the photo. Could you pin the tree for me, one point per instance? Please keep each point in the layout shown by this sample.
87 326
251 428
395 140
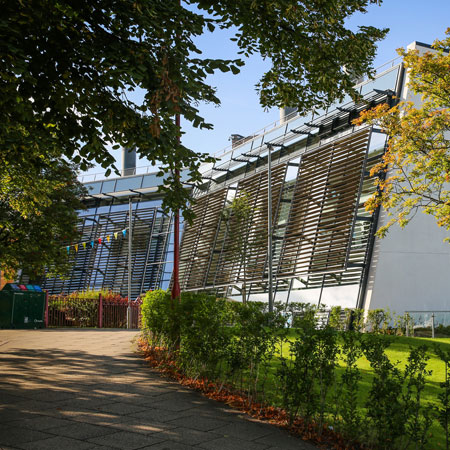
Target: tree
416 165
242 242
68 68
33 239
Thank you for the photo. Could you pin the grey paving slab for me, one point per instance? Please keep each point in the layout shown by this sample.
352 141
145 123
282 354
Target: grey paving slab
198 423
80 431
139 425
186 436
126 440
106 420
170 445
87 389
40 423
57 442
232 443
245 430
159 415
121 408
14 435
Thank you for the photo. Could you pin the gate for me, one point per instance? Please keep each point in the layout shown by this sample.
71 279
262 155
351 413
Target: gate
91 312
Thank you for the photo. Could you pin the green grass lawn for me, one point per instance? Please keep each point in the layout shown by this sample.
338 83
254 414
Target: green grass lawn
397 352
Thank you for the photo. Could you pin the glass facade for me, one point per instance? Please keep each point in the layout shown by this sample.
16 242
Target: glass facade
104 264
322 234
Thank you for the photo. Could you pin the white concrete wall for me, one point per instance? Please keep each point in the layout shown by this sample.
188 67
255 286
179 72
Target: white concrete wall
410 268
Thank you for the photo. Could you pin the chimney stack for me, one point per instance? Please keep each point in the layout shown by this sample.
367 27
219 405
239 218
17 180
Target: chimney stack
286 113
128 161
235 139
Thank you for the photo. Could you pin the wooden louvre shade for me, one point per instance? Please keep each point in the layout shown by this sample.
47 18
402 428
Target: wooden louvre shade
244 247
318 232
198 239
222 250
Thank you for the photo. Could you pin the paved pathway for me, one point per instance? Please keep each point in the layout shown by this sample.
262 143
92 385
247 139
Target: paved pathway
86 389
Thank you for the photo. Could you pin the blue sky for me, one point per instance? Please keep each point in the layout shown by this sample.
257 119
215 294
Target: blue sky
240 112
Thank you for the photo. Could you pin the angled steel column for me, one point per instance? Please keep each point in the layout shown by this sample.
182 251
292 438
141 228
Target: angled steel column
269 226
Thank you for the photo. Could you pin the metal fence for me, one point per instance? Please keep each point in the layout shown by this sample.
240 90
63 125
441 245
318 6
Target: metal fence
93 313
430 323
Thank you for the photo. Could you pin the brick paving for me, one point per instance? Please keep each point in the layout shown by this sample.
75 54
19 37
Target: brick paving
87 389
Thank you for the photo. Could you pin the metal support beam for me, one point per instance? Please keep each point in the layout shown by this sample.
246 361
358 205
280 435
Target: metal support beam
269 226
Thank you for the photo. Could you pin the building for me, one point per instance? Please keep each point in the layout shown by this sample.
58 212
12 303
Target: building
104 264
324 247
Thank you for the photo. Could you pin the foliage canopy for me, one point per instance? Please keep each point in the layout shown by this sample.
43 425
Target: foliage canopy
69 69
35 222
417 162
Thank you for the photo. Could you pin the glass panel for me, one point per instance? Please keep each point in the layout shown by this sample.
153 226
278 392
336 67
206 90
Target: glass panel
152 180
123 184
150 204
386 81
119 207
274 134
239 150
108 186
86 212
103 209
299 121
93 188
377 141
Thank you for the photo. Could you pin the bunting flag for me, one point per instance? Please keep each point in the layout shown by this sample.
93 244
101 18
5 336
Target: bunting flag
100 240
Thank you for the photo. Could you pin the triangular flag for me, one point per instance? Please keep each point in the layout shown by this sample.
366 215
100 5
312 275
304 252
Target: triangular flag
84 245
124 232
68 249
99 240
76 247
115 235
92 244
108 237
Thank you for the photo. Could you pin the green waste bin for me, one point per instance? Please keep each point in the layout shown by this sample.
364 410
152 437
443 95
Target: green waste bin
22 306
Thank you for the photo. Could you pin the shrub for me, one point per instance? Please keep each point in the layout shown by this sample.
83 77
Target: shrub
160 319
205 334
378 321
385 411
239 345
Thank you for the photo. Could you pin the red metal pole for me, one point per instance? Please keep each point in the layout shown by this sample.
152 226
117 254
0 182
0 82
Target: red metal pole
100 311
176 291
46 310
176 230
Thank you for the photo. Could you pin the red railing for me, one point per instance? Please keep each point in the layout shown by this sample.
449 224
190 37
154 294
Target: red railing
88 312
